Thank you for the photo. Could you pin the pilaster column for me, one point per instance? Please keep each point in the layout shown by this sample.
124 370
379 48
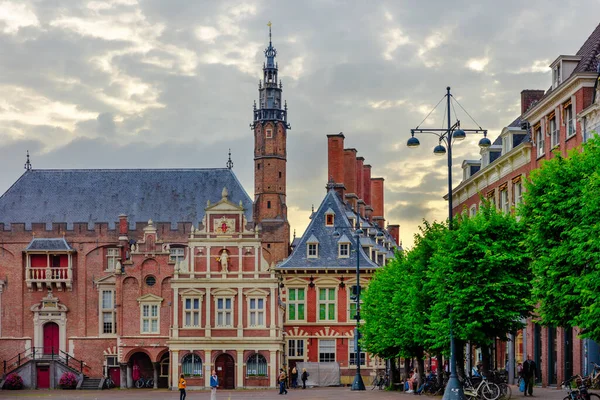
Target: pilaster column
240 262
1 290
273 366
175 332
123 376
240 326
208 367
240 368
129 375
156 368
174 369
208 324
273 324
208 248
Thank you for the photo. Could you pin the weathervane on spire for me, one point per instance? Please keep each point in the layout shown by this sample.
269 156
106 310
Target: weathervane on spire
27 163
269 25
229 162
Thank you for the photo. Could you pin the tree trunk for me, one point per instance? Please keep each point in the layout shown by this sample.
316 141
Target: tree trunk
460 359
440 369
421 368
485 359
394 372
406 369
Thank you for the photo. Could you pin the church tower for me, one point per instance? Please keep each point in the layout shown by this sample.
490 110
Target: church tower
270 157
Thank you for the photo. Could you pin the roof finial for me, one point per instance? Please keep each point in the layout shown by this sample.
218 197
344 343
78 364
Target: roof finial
269 25
27 163
313 208
331 183
294 233
229 162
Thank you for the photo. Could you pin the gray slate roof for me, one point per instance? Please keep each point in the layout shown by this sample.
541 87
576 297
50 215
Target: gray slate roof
100 195
43 244
328 243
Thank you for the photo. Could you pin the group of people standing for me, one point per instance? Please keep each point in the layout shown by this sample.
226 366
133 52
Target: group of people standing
283 379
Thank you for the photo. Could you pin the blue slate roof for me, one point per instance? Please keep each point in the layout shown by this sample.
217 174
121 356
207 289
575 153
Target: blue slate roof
328 243
100 195
43 244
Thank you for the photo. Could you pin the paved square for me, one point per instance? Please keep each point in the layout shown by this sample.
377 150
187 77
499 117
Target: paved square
308 394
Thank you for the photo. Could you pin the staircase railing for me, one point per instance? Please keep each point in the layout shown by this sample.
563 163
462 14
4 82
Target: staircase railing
38 353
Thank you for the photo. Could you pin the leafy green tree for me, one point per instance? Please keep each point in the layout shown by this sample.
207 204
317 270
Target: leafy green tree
562 212
484 274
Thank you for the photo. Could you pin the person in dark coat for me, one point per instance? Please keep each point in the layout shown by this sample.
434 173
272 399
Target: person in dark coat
304 377
529 373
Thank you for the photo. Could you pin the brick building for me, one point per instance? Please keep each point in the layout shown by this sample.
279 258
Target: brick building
317 277
556 120
148 273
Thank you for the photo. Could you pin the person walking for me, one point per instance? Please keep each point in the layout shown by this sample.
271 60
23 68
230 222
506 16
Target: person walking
181 386
282 379
294 378
214 384
304 377
529 374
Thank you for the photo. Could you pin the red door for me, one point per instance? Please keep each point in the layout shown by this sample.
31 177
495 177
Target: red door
115 375
50 338
225 371
43 377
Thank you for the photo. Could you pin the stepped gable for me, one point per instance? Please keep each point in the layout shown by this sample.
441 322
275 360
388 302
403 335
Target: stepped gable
101 195
328 244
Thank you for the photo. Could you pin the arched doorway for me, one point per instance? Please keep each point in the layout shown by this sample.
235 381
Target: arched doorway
141 367
163 372
51 336
225 367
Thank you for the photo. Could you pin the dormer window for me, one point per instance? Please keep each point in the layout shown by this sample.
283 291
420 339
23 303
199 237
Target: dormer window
329 217
313 250
557 76
344 250
506 145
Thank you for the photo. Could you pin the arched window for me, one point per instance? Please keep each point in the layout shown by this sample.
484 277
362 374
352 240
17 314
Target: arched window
191 365
256 365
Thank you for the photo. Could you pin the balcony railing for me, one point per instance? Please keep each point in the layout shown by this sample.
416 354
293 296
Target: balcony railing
38 277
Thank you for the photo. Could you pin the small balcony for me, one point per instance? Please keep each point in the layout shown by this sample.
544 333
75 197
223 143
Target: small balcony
49 265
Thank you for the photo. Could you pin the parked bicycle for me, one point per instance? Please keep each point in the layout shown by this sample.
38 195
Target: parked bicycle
594 377
381 381
144 382
500 378
581 393
108 383
486 389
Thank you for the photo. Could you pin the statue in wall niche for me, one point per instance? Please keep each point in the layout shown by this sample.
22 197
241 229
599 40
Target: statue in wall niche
224 261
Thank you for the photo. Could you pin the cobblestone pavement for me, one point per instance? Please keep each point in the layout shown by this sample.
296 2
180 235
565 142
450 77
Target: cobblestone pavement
308 394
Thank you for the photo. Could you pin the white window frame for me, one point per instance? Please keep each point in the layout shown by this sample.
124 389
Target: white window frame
310 253
570 121
191 311
554 132
473 211
327 216
327 303
518 192
269 133
150 317
344 250
112 257
254 372
109 310
224 311
329 347
257 313
192 356
504 201
176 254
296 348
540 142
352 354
296 303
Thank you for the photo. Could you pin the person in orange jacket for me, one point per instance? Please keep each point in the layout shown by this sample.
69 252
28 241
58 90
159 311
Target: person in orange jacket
182 385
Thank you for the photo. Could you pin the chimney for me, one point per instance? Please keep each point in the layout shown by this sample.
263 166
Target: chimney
394 231
123 227
350 176
528 97
377 196
360 161
367 191
335 162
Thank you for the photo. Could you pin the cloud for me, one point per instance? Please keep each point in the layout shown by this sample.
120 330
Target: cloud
15 16
478 64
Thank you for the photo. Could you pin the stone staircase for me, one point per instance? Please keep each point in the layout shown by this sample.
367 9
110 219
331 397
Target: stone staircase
91 383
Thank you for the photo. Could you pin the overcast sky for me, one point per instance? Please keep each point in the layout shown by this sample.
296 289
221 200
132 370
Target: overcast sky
170 83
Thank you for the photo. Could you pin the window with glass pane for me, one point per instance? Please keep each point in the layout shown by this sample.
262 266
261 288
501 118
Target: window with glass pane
327 350
112 254
191 365
191 310
312 250
518 193
150 318
177 254
570 121
327 304
295 304
344 249
256 365
257 312
352 354
553 132
540 142
296 348
224 312
504 201
107 312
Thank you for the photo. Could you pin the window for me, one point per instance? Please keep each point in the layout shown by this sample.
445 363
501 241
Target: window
257 312
296 348
329 220
352 353
191 365
327 350
280 174
295 304
112 256
191 312
107 312
327 304
473 211
539 140
569 121
269 204
269 133
557 78
313 250
150 318
518 192
256 365
505 144
554 132
504 201
150 280
177 254
112 361
344 251
224 312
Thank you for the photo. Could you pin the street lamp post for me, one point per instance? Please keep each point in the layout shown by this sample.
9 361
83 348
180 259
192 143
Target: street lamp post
358 383
454 132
